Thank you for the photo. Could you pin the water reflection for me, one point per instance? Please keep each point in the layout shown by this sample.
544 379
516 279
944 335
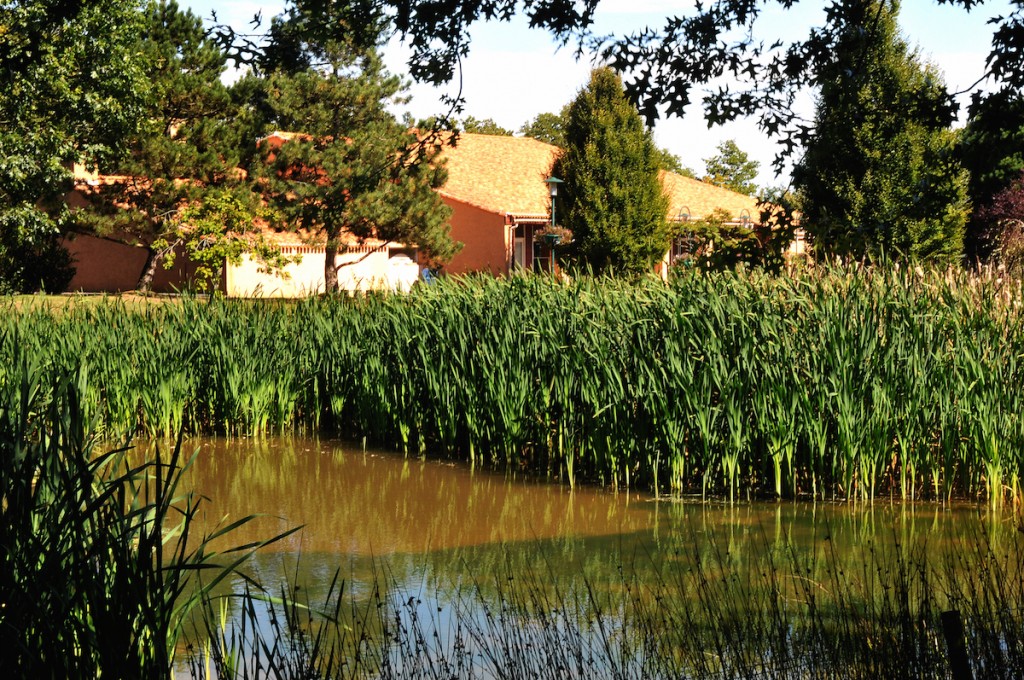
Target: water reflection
437 521
450 539
355 502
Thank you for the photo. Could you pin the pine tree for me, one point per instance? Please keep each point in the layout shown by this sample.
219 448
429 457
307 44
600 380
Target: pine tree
612 199
353 170
879 174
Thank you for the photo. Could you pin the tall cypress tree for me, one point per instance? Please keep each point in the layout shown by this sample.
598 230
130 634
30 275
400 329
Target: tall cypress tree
879 173
612 199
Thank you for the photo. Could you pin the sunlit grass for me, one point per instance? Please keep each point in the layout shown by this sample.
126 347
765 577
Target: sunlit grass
849 384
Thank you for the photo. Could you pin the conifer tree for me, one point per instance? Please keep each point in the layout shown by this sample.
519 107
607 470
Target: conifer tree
612 198
353 170
879 174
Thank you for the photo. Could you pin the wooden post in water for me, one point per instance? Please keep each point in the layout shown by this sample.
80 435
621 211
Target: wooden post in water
953 631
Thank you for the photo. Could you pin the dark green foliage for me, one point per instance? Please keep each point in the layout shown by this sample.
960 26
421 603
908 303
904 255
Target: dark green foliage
548 127
185 146
721 54
719 243
31 256
1003 220
879 175
991 148
732 169
612 200
98 570
671 162
70 91
992 144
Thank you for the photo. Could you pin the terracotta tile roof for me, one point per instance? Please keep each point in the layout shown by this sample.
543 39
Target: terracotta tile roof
500 174
700 198
506 175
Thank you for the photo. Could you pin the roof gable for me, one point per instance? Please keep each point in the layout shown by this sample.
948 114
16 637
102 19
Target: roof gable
687 196
500 174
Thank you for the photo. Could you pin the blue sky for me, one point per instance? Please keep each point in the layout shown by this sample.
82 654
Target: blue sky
513 73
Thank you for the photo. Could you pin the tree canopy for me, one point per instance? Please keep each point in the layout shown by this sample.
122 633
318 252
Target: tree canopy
612 199
547 127
353 171
879 174
732 168
487 126
184 146
991 148
1004 212
550 127
716 53
71 90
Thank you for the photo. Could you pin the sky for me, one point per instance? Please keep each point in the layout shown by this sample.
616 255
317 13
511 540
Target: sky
514 73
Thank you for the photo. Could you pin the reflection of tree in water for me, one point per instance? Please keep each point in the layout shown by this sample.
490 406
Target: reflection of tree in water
770 614
593 582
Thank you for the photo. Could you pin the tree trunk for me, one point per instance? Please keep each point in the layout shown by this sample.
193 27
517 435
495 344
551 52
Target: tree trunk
330 269
148 272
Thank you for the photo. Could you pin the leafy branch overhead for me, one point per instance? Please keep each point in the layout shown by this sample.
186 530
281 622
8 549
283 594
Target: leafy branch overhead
686 59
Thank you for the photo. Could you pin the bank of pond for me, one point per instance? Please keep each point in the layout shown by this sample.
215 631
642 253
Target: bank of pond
835 384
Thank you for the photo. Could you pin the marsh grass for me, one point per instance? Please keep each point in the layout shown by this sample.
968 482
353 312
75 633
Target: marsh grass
97 564
832 384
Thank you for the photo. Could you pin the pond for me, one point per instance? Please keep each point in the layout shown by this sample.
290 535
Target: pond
447 535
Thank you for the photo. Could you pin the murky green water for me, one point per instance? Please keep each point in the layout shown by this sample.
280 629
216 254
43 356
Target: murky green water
429 519
432 546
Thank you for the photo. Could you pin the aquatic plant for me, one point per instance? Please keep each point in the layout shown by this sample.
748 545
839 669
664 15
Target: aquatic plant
837 383
97 562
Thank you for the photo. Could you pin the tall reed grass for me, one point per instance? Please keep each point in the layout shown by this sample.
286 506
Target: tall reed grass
98 571
836 384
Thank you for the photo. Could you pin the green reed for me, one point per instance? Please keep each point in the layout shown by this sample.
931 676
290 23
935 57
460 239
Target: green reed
832 384
97 563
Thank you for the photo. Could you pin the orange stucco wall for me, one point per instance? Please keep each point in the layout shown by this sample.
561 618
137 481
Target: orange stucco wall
106 266
485 240
102 265
179 276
